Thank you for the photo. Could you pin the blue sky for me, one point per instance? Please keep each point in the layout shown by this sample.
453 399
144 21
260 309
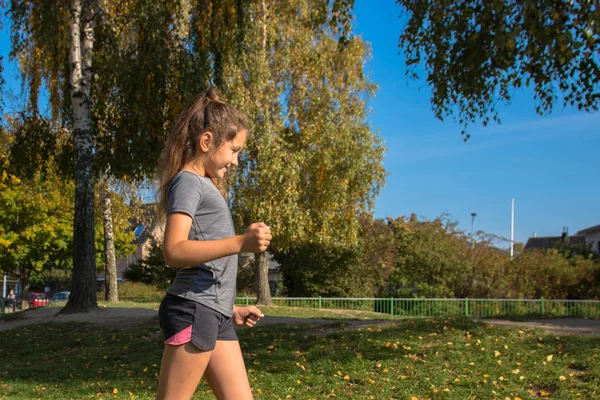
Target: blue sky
549 165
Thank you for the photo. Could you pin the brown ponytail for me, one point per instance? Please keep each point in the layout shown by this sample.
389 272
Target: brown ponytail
206 113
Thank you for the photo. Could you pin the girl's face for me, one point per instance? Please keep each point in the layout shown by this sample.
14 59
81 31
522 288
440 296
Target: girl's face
219 160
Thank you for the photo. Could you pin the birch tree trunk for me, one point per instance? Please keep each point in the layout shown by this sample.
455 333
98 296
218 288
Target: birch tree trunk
83 292
111 293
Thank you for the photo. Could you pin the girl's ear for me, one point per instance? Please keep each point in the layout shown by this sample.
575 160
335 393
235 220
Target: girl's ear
205 141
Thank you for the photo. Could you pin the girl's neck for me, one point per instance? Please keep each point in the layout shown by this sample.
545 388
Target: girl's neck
196 167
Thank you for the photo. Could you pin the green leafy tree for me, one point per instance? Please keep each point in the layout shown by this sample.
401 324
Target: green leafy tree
115 115
477 53
550 274
362 270
293 67
312 163
36 219
431 259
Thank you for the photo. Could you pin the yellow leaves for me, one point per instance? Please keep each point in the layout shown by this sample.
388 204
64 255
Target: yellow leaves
346 377
549 358
544 393
115 391
516 371
562 378
259 391
497 353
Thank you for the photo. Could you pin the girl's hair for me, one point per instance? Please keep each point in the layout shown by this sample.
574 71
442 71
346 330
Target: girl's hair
206 113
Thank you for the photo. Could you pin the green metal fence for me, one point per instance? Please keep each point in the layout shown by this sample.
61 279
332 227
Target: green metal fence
429 307
445 307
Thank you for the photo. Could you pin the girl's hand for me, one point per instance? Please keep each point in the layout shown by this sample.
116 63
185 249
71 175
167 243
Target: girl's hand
256 239
246 316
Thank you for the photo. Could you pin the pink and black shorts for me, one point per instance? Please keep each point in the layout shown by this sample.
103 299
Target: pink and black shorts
183 321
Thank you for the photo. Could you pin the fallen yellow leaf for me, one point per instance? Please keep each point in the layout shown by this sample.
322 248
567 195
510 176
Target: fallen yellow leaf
115 391
549 358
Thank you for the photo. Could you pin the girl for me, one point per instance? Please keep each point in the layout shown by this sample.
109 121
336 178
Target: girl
198 312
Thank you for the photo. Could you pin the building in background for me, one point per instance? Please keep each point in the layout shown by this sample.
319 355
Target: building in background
592 237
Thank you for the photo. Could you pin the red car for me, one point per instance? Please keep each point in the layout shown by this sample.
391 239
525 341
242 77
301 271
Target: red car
37 299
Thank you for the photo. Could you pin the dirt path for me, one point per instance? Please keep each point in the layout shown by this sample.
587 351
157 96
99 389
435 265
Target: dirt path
561 326
127 318
112 317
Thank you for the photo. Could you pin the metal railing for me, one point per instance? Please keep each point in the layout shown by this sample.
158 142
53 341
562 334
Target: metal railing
413 307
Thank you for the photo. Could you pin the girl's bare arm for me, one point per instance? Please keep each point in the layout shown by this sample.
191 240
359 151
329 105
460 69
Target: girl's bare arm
179 252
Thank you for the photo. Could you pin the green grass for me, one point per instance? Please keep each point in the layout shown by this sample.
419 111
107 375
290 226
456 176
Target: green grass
421 358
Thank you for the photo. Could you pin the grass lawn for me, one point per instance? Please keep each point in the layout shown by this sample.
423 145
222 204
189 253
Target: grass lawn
431 359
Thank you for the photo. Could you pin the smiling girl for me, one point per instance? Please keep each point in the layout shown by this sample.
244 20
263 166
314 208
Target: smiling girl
198 312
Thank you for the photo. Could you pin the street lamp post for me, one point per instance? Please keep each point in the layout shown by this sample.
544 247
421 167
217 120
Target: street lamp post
473 215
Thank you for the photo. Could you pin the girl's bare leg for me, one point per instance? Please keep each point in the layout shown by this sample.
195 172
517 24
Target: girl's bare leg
180 371
226 372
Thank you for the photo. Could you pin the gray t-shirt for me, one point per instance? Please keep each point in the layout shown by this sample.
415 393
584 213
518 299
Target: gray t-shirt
212 284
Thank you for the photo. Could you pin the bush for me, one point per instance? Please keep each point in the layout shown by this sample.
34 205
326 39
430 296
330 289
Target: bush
139 290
